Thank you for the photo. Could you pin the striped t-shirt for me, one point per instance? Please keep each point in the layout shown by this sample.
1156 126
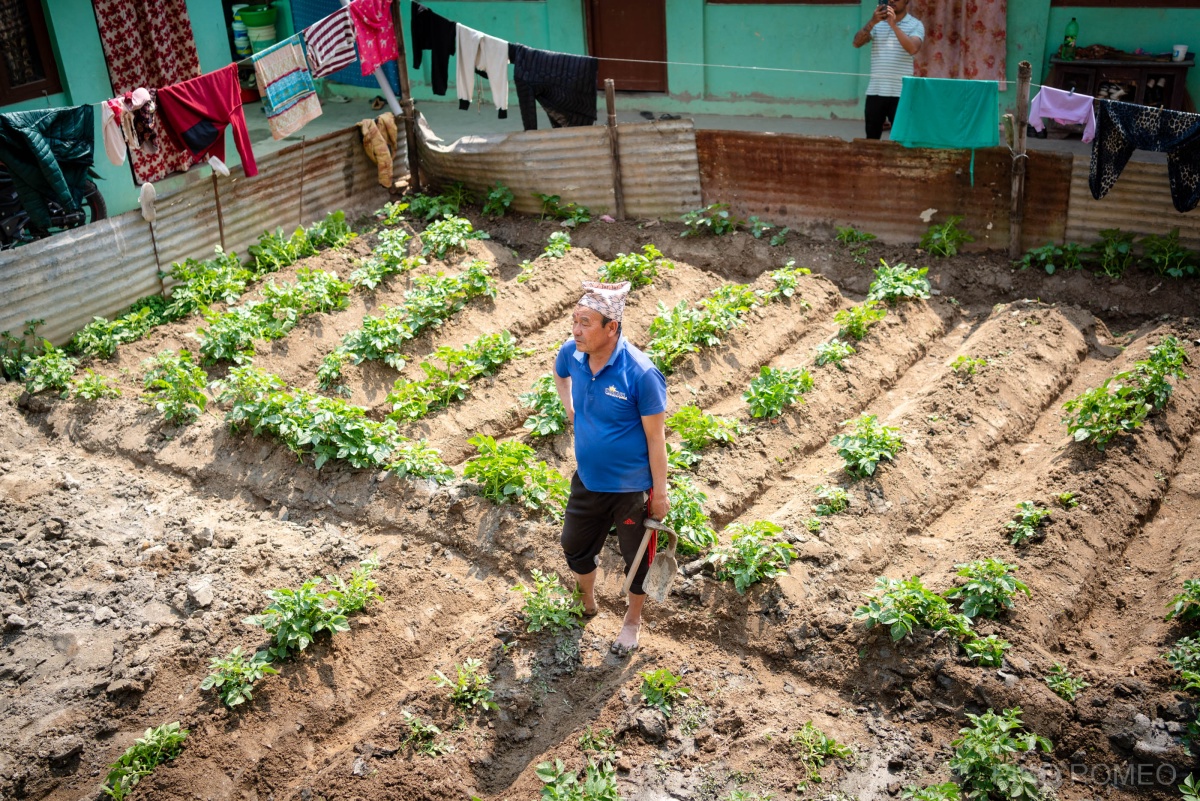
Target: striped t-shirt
890 62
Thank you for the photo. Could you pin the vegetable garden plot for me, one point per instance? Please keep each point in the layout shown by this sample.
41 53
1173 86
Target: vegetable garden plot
975 394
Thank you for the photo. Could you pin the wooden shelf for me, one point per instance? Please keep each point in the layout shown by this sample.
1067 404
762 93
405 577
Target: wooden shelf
1088 76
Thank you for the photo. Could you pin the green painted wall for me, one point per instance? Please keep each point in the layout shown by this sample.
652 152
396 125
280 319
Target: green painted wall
1152 29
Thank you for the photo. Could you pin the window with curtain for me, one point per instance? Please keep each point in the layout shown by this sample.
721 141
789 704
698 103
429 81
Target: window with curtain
27 68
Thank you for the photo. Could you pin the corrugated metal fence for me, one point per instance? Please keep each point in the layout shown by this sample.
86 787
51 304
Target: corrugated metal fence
660 173
1140 201
100 269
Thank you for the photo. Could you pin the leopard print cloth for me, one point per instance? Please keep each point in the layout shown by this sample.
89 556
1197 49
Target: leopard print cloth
1122 128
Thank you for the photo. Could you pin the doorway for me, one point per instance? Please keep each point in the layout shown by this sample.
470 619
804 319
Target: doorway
629 29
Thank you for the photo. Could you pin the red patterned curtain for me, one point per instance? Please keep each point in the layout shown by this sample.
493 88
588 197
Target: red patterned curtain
963 38
149 43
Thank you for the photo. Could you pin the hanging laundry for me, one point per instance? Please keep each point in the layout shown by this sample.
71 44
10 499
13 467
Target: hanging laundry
1122 128
374 33
564 84
48 153
330 44
433 32
479 51
948 113
379 143
284 80
127 123
1065 108
196 112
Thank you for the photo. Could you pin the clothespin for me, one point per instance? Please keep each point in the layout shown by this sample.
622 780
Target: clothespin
1072 92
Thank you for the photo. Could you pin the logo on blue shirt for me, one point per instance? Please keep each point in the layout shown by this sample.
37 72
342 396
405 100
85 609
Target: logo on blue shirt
612 392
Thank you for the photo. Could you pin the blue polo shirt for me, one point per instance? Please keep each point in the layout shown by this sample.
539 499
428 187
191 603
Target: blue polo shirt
610 443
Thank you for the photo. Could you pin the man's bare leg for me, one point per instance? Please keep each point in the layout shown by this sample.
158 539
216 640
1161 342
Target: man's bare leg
627 640
587 588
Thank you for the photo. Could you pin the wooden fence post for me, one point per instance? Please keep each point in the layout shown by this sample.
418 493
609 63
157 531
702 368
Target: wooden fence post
1016 216
406 103
610 100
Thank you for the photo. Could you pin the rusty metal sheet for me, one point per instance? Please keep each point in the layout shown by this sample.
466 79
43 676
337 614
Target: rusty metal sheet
814 184
658 162
1139 202
74 275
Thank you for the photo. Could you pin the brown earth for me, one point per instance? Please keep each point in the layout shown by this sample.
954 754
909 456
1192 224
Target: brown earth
132 550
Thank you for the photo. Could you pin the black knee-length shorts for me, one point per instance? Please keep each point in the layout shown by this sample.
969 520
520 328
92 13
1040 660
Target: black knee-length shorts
589 518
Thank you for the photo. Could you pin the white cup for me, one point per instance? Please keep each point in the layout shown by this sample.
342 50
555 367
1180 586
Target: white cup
1178 52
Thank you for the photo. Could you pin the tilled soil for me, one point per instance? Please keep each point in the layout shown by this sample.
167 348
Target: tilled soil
132 550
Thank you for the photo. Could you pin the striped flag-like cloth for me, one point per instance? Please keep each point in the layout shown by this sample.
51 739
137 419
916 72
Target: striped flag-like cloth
330 44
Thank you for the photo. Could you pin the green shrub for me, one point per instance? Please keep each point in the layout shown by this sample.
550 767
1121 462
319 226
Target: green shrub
947 791
558 245
1063 684
1026 526
447 235
175 386
509 472
1168 257
687 517
1114 252
834 352
714 219
897 283
423 737
639 269
470 687
359 592
985 756
986 651
92 386
548 605
1186 605
903 606
429 207
1052 257
833 500
867 444
16 351
1164 360
967 365
294 618
1098 415
989 588
812 747
752 555
787 281
559 784
662 690
499 200
854 322
51 370
154 747
699 430
571 214
100 338
549 415
945 239
233 677
775 389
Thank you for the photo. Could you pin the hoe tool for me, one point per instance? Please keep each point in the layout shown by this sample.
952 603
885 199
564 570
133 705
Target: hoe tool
664 567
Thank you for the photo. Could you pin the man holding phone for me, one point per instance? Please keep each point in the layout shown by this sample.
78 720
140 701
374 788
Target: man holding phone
895 38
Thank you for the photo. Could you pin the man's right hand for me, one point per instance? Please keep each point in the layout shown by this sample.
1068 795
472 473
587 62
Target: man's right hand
881 14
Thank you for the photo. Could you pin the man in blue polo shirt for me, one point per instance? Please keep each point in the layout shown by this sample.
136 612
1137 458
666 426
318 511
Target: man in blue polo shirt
617 401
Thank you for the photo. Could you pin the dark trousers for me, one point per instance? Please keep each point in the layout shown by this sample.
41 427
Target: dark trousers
589 518
878 109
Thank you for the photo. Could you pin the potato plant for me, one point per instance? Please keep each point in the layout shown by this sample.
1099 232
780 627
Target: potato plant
698 430
639 269
470 688
901 282
867 444
1026 526
92 386
1052 257
687 517
775 389
1063 684
429 207
498 201
549 415
423 737
156 746
834 352
905 605
295 618
787 281
945 239
967 365
831 500
856 242
986 754
447 380
233 676
599 782
507 472
989 588
715 219
753 555
53 369
662 690
448 235
947 791
548 605
15 351
175 386
678 331
811 748
855 322
1186 605
100 338
986 651
390 257
557 246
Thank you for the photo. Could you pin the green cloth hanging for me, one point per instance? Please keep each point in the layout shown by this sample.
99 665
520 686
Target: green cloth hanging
948 113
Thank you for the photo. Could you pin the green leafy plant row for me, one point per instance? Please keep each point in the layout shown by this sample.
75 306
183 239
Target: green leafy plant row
449 375
156 746
639 269
432 300
1115 254
1122 403
327 428
231 335
508 472
755 553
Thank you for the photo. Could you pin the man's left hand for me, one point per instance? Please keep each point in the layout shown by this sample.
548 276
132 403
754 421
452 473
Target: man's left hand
659 506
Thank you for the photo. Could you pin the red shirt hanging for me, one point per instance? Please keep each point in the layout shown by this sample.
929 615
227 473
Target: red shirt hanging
196 112
374 33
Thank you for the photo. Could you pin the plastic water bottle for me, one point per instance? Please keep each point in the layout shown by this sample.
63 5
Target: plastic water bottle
1067 53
